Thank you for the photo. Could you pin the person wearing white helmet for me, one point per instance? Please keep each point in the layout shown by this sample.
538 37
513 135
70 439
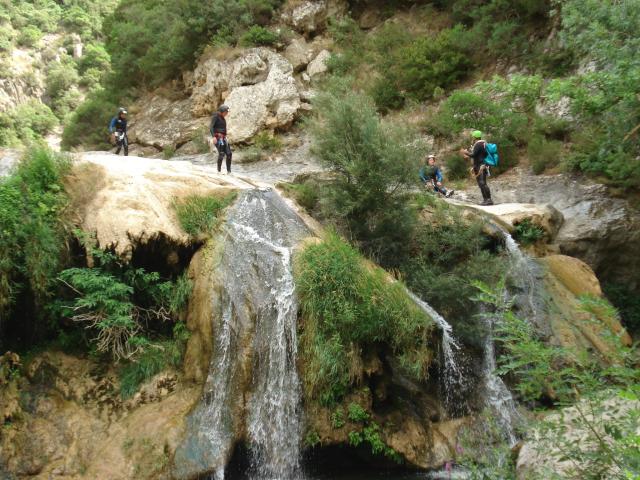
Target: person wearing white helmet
431 176
218 130
118 131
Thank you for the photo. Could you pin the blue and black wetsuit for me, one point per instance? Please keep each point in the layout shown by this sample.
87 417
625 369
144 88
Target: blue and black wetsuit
433 175
478 153
119 125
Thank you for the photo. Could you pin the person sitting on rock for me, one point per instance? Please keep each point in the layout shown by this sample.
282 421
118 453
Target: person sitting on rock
118 131
218 131
431 176
478 153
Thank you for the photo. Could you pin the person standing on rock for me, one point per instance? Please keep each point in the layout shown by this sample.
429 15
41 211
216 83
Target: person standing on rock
218 131
477 153
118 131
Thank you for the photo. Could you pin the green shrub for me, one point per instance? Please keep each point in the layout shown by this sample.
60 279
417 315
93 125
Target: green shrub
259 36
448 254
627 302
386 95
374 167
67 102
528 232
496 119
457 166
88 124
430 63
30 121
268 142
95 56
155 358
32 200
7 34
29 36
120 304
348 307
152 42
168 152
61 76
305 193
543 153
200 215
92 78
357 414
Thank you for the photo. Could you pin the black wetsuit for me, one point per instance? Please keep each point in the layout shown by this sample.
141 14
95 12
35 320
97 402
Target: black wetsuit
119 125
478 153
218 131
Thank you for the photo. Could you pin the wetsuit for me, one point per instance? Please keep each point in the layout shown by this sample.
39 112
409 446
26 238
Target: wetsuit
218 131
120 125
478 152
433 175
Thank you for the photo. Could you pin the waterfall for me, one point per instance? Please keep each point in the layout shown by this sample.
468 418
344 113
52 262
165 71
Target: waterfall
452 378
523 273
253 369
497 396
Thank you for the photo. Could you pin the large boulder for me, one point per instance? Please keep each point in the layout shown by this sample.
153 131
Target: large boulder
511 214
257 84
573 320
161 122
128 200
311 16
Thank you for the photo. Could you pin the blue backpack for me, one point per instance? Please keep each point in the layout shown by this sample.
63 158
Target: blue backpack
492 154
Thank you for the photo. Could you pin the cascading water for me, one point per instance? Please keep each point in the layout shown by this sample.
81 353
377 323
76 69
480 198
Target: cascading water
496 394
523 274
452 378
256 348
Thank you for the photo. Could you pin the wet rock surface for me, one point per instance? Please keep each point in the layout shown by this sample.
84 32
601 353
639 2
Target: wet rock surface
599 229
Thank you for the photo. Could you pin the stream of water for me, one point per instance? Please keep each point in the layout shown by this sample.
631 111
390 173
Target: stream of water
452 377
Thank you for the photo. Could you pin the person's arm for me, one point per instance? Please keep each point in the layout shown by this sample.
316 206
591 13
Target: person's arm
213 124
422 175
438 175
112 125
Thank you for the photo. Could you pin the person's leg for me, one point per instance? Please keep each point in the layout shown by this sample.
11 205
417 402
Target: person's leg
229 154
125 143
484 188
220 156
119 145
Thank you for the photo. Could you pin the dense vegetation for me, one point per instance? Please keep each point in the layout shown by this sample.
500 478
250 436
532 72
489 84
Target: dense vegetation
151 42
50 28
48 294
32 242
350 308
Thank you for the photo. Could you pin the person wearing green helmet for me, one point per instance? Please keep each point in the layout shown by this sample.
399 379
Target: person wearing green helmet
477 153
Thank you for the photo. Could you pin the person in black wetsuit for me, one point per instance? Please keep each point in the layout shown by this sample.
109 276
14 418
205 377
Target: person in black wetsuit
118 131
478 153
218 131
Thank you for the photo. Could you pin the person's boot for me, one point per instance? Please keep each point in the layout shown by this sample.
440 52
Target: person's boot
488 202
449 194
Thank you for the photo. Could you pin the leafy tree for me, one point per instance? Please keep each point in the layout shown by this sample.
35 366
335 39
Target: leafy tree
374 167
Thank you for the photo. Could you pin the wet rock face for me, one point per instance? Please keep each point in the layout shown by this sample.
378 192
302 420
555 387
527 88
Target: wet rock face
70 422
600 230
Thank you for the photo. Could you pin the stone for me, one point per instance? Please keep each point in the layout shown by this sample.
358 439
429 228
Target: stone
511 214
306 17
125 200
319 64
258 86
599 229
299 53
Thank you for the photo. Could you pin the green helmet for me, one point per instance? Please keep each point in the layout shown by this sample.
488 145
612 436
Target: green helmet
476 134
